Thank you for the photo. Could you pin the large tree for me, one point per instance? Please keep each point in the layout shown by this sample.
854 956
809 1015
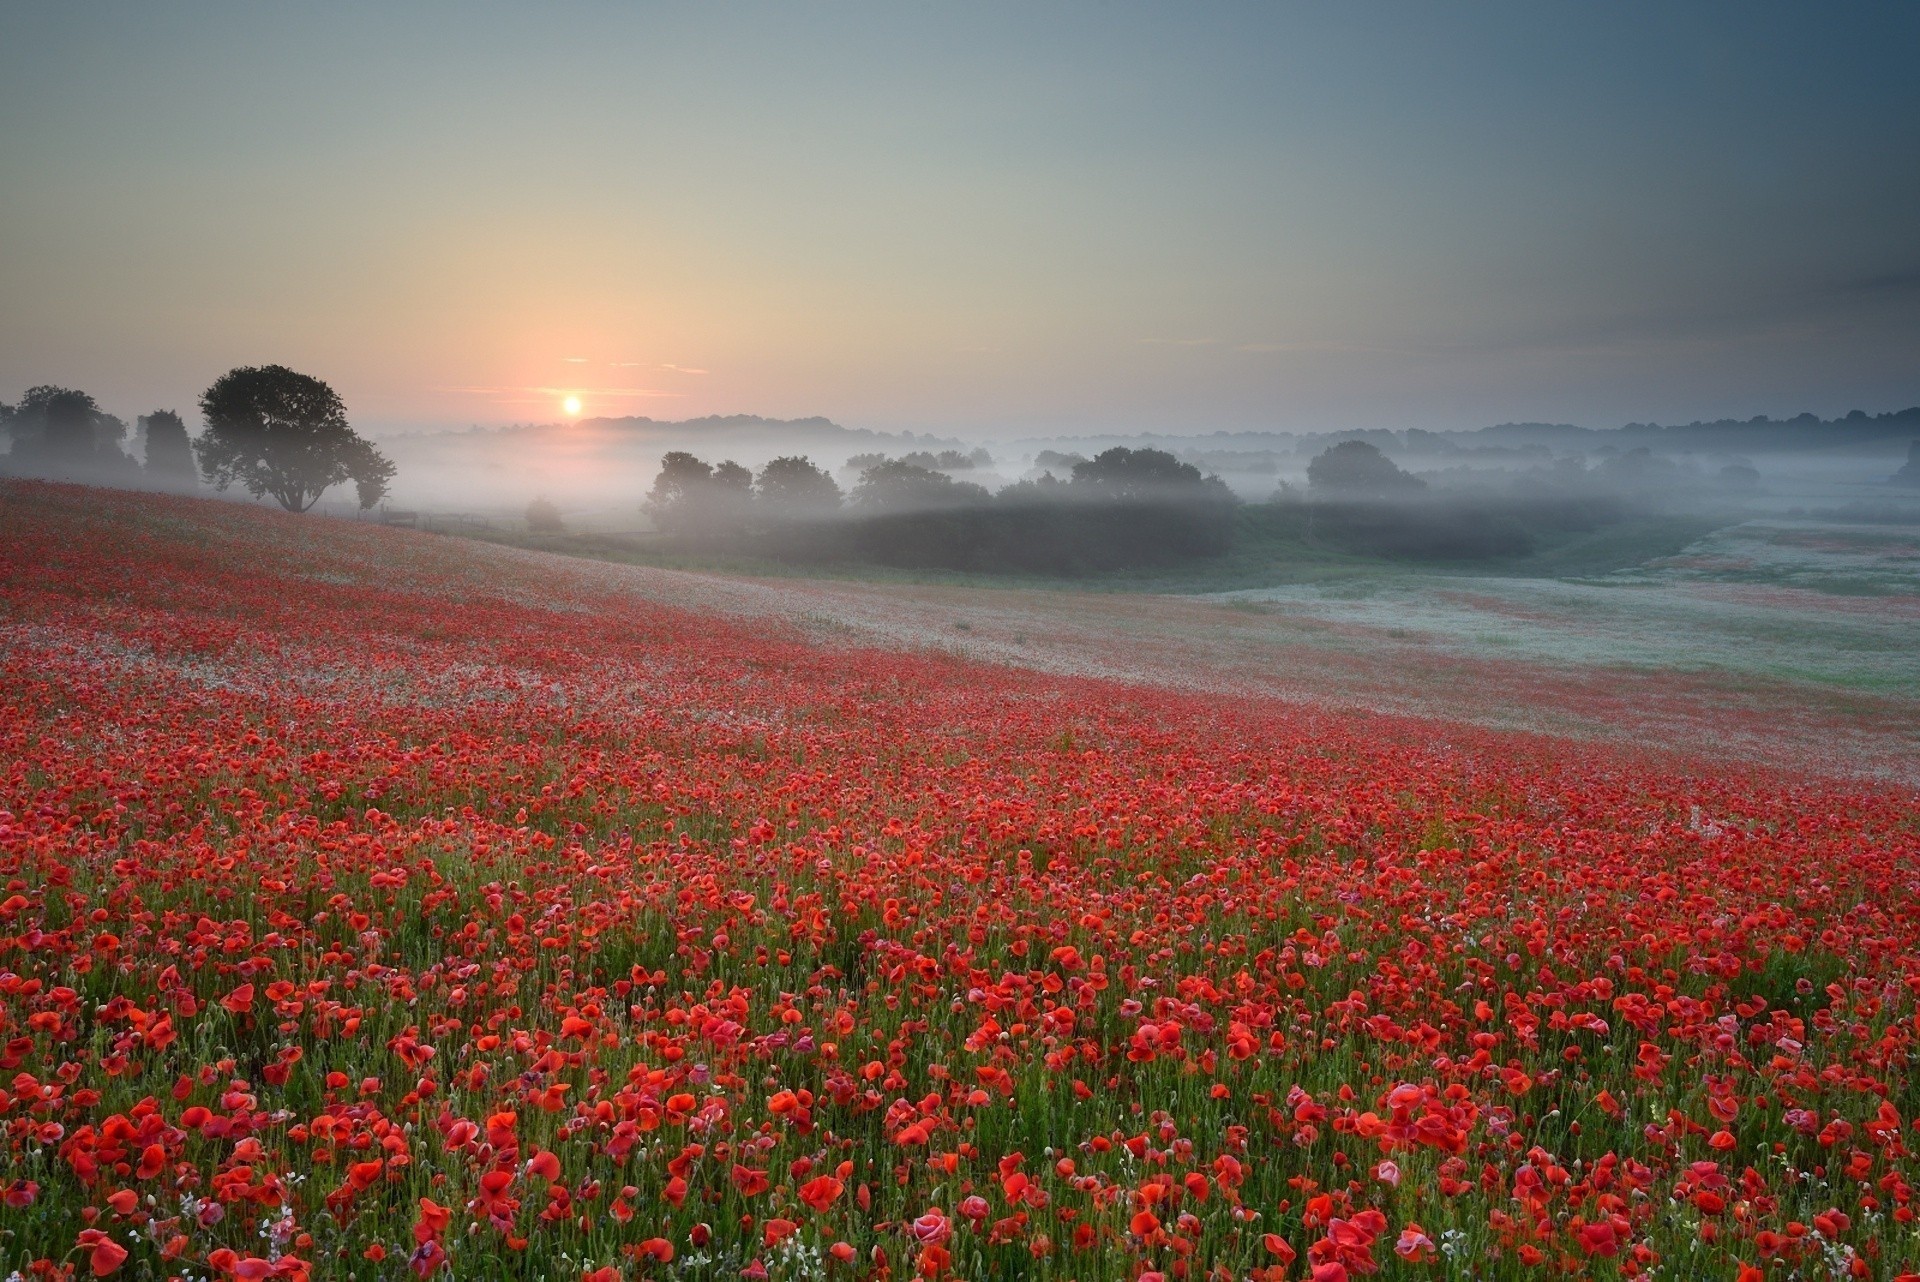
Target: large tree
63 429
169 451
1121 473
274 431
693 500
677 500
793 487
1357 470
899 486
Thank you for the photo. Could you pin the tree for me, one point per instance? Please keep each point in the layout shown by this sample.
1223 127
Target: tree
698 502
730 478
729 500
169 452
675 500
544 518
1144 507
61 429
67 422
1357 470
1121 473
794 487
274 431
900 486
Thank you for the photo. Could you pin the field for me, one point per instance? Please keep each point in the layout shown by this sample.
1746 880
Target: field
382 905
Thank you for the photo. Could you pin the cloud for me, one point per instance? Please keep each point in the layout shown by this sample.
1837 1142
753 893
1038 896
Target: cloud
589 392
531 395
574 360
1180 342
682 369
1323 345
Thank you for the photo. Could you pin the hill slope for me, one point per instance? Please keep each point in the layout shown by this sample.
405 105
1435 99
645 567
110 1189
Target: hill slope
371 895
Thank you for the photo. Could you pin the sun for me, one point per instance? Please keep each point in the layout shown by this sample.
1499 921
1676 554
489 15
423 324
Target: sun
571 405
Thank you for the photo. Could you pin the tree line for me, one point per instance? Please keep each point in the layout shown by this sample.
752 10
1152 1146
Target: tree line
1122 509
270 430
285 435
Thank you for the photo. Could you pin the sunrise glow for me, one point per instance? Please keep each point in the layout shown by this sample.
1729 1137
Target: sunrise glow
571 405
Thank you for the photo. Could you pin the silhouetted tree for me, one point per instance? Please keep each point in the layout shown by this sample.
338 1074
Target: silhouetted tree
61 431
68 420
278 432
911 515
731 496
675 500
794 487
1121 473
1053 462
1357 470
1143 507
898 486
169 452
544 518
696 502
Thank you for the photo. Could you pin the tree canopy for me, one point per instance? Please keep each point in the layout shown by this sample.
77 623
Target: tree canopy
899 486
1357 470
169 452
62 430
793 487
1122 473
274 431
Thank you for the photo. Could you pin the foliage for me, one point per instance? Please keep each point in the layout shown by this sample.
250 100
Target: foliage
681 480
1357 470
1128 474
794 487
370 906
277 432
698 502
169 451
896 485
543 517
63 431
1130 508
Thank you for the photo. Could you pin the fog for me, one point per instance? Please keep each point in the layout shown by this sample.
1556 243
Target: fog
598 471
1466 494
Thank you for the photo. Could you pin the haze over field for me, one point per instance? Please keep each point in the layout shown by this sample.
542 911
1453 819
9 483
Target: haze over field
987 222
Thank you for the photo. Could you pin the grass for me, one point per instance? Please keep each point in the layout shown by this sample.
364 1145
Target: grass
1613 548
1272 548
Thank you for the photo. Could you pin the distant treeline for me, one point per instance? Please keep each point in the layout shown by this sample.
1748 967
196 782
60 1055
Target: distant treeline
1125 508
1759 434
1358 500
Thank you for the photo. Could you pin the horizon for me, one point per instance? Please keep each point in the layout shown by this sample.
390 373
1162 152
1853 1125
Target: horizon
989 224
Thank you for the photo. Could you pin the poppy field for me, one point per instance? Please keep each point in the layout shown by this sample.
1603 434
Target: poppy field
374 905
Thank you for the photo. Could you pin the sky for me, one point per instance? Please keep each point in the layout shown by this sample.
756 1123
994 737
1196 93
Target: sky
984 219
